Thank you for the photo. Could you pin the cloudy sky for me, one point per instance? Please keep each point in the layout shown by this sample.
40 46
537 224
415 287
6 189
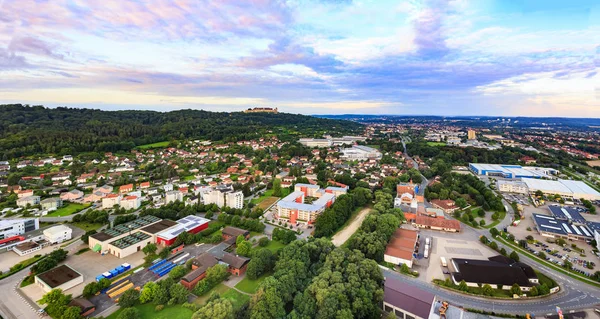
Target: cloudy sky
477 57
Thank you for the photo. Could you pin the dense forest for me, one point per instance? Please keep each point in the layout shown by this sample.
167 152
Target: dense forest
27 130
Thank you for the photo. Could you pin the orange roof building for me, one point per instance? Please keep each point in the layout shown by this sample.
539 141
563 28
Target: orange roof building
402 246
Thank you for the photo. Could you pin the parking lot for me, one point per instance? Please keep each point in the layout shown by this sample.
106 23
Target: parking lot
519 198
448 246
90 265
552 251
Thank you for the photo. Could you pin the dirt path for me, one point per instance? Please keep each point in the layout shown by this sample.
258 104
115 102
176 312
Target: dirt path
340 237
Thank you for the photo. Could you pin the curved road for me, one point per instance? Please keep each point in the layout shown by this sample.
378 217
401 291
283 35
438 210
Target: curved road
574 294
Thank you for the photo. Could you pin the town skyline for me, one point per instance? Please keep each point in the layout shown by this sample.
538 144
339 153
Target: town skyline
447 58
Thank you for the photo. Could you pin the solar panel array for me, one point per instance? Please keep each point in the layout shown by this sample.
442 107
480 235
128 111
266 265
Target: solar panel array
135 224
130 240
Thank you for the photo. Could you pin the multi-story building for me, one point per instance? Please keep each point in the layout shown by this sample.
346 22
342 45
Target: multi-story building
29 200
15 227
131 202
173 196
51 203
512 187
111 200
307 202
472 135
224 197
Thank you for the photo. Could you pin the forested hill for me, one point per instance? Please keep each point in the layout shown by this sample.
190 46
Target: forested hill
28 130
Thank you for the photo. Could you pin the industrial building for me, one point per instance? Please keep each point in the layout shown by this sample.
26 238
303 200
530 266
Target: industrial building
191 224
298 208
512 171
562 187
406 301
360 153
512 187
100 242
550 226
14 227
496 271
402 247
57 234
62 277
129 244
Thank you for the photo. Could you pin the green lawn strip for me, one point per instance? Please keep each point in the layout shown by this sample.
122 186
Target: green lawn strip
547 264
68 209
436 144
250 286
496 222
220 289
87 226
23 264
169 312
189 178
237 298
27 281
274 246
154 145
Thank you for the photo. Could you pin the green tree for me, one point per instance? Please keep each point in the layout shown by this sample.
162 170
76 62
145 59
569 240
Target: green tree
262 261
217 309
533 292
277 192
129 298
514 256
244 248
161 296
56 302
178 293
71 313
177 272
487 290
150 249
267 302
148 292
515 290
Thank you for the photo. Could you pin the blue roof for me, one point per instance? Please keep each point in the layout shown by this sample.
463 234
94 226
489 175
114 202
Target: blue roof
567 213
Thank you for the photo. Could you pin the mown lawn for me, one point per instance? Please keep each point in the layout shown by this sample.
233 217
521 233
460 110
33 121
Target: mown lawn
237 298
250 286
68 209
169 312
274 246
154 145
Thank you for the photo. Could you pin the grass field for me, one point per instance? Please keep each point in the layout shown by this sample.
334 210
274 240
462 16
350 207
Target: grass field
267 202
154 145
68 209
436 144
169 312
267 193
220 289
250 286
87 226
274 246
237 298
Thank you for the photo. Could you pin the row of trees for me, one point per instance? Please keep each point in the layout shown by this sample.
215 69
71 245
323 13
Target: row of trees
334 217
376 230
245 223
283 235
49 262
92 216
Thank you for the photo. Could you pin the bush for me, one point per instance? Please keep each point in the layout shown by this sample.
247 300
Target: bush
158 308
263 242
129 313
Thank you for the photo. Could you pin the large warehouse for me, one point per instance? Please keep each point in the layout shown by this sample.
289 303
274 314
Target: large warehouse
562 187
512 171
100 242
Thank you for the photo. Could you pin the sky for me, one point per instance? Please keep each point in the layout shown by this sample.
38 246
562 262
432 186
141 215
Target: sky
429 57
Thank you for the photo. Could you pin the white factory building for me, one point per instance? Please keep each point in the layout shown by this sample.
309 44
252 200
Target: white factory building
360 153
562 187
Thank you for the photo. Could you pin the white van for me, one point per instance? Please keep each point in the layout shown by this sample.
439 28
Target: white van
443 260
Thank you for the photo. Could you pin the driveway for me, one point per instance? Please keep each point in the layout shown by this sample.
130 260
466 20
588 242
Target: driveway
343 235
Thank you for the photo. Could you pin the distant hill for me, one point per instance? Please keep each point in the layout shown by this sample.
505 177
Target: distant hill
27 130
